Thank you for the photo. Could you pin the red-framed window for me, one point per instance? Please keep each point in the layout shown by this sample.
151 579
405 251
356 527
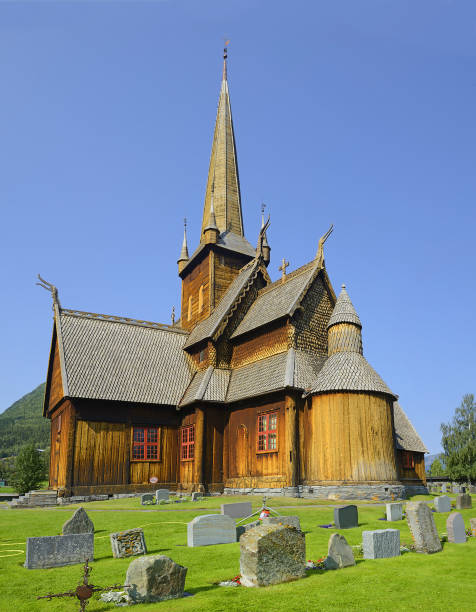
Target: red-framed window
145 443
408 460
187 446
267 432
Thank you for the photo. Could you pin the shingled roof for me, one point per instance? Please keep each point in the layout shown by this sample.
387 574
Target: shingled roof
279 299
348 371
122 360
209 326
344 311
228 241
406 437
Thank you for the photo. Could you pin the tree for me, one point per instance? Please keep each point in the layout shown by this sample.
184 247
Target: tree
29 469
459 441
437 469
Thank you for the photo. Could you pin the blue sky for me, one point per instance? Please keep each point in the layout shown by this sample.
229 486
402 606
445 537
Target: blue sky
359 114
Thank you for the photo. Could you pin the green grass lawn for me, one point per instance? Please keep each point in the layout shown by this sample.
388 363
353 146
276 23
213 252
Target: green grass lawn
410 582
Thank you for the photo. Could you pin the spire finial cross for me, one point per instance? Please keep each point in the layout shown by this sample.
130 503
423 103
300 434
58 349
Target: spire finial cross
173 315
185 223
282 268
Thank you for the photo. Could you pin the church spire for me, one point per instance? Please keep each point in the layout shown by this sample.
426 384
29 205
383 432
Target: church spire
223 181
183 259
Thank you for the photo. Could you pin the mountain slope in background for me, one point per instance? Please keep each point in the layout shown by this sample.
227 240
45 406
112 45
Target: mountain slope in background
23 423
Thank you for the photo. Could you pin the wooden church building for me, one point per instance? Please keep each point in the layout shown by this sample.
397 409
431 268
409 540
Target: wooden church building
259 387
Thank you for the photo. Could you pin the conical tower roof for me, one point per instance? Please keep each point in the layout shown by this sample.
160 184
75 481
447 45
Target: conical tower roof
223 180
184 251
344 311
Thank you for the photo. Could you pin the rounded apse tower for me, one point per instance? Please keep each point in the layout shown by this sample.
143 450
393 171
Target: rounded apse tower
349 415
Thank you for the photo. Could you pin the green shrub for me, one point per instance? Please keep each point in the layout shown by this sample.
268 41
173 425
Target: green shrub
29 469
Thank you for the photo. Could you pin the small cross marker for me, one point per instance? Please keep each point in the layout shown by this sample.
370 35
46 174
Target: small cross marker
282 268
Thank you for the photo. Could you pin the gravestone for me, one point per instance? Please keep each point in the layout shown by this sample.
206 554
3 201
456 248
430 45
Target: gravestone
128 543
271 554
162 494
78 523
463 501
472 524
155 578
444 488
394 512
147 498
472 489
422 526
211 529
289 521
196 496
455 529
339 553
442 504
381 543
238 510
241 529
346 517
56 551
456 489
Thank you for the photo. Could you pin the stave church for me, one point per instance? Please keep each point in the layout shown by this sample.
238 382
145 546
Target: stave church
258 387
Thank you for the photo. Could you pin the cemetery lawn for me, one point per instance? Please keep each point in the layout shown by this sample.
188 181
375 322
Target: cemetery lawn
410 582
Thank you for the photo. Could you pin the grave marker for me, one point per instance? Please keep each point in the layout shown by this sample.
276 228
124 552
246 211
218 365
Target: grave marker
464 501
346 517
394 512
211 529
162 494
442 504
455 529
422 526
339 553
78 523
155 578
146 498
128 543
381 543
56 551
237 510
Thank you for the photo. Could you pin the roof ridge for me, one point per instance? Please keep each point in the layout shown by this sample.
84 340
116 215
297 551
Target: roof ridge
125 320
278 283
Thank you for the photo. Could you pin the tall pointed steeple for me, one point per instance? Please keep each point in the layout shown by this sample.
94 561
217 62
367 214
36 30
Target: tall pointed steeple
183 259
223 181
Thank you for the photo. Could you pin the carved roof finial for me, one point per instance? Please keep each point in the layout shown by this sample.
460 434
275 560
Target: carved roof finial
282 269
225 57
52 289
173 315
184 252
320 248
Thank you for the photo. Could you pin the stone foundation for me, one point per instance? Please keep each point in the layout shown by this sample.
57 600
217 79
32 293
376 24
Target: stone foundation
380 492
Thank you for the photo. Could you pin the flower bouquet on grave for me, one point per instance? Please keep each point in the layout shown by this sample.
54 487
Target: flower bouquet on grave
316 565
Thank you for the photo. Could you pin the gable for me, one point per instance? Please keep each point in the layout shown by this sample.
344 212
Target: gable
54 391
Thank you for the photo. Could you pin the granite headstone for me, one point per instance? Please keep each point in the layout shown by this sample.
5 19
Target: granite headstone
339 553
422 526
128 543
394 512
211 529
237 510
346 517
155 578
56 551
147 498
289 521
381 543
442 504
271 554
78 523
162 494
455 529
464 501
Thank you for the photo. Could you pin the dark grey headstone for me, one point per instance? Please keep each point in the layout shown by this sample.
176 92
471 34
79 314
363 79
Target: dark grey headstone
346 517
162 494
455 529
464 501
381 543
56 551
147 498
78 523
196 496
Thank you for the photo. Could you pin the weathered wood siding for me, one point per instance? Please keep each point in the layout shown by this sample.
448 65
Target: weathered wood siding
347 438
198 276
187 467
213 448
262 343
62 425
244 466
417 473
55 388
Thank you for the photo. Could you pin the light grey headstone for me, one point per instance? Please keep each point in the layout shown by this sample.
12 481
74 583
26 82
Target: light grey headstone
394 511
442 504
155 578
78 523
290 521
455 528
422 526
128 543
339 553
381 543
196 496
56 551
464 501
211 529
238 510
444 488
456 489
161 494
271 554
147 498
